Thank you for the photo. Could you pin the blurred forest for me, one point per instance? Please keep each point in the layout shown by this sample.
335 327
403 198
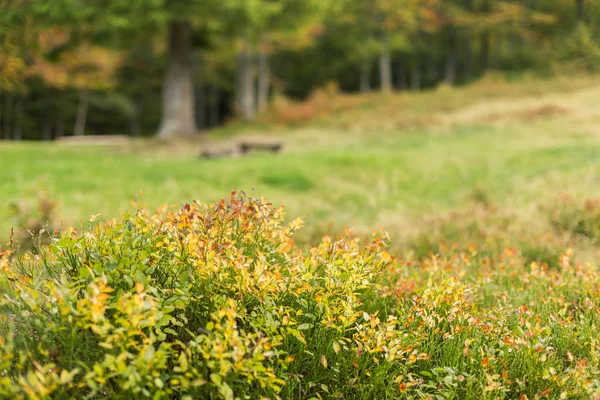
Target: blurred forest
175 67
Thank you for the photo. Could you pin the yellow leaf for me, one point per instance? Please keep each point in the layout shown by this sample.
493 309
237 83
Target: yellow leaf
324 361
336 347
159 383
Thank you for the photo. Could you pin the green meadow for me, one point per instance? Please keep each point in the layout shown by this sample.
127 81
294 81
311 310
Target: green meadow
406 164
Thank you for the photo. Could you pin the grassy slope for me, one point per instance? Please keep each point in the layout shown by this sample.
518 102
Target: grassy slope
383 161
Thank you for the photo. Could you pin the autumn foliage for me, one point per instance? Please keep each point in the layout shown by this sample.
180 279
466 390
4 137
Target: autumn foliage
217 301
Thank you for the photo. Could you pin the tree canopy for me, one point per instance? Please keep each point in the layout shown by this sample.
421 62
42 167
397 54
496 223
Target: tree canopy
179 66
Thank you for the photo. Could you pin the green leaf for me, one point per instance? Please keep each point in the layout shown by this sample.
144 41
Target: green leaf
159 383
140 277
171 331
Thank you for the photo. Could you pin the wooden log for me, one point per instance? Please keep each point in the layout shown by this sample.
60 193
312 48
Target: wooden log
93 140
243 146
219 152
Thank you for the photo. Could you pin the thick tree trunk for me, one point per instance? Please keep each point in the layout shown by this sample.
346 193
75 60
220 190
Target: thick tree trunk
178 93
247 86
82 109
385 68
264 78
365 75
415 73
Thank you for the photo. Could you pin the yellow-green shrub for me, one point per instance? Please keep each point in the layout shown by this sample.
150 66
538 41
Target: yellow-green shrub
216 301
208 301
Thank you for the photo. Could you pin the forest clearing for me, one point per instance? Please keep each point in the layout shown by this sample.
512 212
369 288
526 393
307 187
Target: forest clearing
488 289
299 199
516 149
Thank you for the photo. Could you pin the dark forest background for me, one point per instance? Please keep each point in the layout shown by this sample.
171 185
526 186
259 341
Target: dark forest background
176 67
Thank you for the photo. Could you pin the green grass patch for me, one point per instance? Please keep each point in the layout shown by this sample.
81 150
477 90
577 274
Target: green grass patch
292 181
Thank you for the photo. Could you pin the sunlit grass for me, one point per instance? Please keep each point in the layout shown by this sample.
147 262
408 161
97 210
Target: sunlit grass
355 178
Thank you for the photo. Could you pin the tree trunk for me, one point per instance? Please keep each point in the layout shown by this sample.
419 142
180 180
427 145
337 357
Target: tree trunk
451 60
400 79
580 9
134 122
213 112
82 109
484 42
59 129
47 127
247 90
1 130
365 75
264 78
201 105
19 117
467 52
466 49
7 115
485 51
415 73
178 93
385 68
239 80
433 69
201 97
